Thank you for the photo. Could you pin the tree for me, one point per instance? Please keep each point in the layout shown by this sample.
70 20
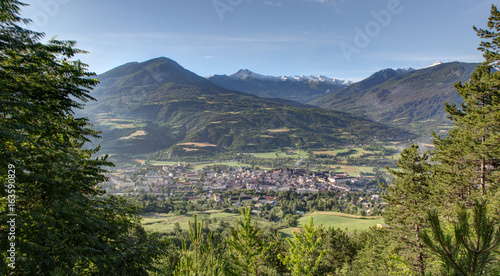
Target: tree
373 258
469 156
408 199
246 246
204 256
468 249
305 255
342 249
62 221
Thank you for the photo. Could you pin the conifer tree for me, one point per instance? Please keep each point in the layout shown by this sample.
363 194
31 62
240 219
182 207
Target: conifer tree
204 257
247 250
305 254
408 199
469 156
469 248
62 222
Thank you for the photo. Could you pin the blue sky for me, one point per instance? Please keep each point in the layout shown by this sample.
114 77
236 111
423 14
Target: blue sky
345 39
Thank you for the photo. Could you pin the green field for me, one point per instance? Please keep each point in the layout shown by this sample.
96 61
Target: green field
166 222
163 163
354 170
336 220
298 154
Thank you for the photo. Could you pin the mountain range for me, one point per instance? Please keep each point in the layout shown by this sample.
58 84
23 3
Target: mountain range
302 89
409 98
414 99
159 107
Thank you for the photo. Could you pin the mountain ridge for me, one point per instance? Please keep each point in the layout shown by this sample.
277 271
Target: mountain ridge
297 88
414 100
158 105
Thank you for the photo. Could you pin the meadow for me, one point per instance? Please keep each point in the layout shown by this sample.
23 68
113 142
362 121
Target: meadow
347 222
166 222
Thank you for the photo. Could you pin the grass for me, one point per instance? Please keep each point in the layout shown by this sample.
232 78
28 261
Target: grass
166 222
114 123
348 222
163 163
354 170
272 154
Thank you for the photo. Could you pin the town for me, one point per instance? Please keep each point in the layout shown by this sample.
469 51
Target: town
219 178
216 181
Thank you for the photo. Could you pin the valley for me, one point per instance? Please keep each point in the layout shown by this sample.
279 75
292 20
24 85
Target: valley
193 145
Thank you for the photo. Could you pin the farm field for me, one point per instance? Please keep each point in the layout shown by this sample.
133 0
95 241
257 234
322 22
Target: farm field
295 154
166 222
335 220
354 170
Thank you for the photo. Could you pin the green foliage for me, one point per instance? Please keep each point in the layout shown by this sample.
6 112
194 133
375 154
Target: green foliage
63 223
469 156
247 250
374 256
305 255
204 257
409 199
342 249
468 250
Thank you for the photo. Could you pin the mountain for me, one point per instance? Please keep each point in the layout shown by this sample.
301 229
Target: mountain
357 88
158 106
414 100
297 88
438 62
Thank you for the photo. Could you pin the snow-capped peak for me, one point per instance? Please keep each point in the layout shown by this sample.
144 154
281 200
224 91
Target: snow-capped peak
247 74
438 62
404 70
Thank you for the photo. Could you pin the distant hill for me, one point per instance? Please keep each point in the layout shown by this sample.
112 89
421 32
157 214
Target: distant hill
297 88
414 100
158 106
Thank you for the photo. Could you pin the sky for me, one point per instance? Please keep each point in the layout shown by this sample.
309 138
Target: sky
344 39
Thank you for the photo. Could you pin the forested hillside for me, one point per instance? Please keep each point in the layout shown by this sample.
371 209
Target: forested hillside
413 100
158 106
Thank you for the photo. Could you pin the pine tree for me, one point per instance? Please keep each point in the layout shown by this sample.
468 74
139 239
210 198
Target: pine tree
62 221
204 256
305 254
247 250
468 249
408 199
469 156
